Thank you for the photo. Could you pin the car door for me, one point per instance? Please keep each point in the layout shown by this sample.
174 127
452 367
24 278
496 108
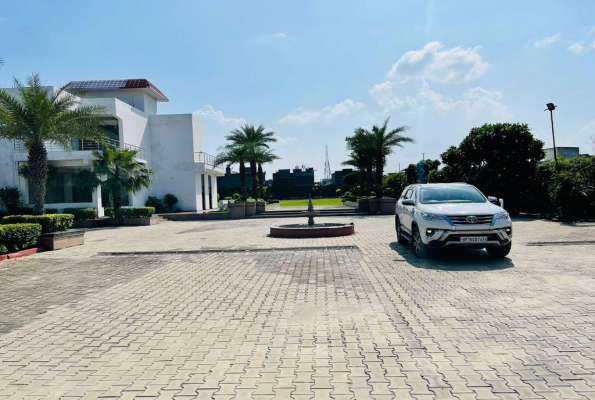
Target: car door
407 211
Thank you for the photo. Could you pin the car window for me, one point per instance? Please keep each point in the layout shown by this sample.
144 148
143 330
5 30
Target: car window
413 195
408 193
451 194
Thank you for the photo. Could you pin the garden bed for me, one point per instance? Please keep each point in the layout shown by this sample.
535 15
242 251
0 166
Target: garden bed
22 253
61 240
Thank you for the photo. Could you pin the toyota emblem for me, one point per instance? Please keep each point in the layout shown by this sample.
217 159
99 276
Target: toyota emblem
472 219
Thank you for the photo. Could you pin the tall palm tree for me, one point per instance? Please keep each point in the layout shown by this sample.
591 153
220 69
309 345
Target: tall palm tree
253 139
234 154
383 143
118 172
38 116
263 156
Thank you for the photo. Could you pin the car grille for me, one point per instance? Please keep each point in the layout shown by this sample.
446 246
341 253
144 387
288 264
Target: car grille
462 219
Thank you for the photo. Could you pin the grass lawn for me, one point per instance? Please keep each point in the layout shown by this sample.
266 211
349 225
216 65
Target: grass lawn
316 202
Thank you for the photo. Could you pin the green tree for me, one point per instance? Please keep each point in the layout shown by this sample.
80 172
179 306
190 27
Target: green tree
500 159
252 139
361 156
425 167
411 173
394 184
263 156
38 116
118 172
231 154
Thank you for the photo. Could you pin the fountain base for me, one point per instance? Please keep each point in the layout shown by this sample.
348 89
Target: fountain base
312 231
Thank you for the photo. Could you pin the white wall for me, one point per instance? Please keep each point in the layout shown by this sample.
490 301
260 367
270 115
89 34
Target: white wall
172 158
134 98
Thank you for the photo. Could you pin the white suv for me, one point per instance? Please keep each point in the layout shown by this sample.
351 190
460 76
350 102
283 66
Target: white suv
440 215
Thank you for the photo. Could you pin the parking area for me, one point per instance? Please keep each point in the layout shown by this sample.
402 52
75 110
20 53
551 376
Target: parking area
219 310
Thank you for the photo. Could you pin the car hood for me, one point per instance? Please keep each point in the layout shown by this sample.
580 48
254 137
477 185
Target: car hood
461 208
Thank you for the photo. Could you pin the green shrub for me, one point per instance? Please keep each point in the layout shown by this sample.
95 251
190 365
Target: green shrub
51 211
131 212
170 201
81 213
250 200
18 237
156 203
3 249
49 223
10 197
236 196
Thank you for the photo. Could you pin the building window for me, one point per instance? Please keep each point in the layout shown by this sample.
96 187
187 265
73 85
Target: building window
62 187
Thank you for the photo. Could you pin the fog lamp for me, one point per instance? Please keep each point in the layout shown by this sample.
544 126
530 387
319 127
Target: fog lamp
429 232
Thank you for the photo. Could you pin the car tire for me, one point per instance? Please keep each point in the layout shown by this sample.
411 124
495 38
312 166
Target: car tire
500 251
400 238
420 249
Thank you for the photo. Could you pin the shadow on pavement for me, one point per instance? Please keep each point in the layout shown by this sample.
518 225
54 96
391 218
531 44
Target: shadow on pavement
459 260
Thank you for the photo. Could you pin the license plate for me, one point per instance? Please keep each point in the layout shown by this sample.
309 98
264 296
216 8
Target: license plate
474 239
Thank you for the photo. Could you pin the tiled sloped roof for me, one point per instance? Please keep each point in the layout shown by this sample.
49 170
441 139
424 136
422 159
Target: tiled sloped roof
116 84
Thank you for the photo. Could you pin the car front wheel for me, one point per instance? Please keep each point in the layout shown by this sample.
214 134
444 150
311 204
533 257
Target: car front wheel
420 249
499 252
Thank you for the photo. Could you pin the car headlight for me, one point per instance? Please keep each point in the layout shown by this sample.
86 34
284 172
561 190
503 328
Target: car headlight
502 215
430 217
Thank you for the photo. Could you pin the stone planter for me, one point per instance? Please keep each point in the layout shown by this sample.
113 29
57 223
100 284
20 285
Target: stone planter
237 210
62 240
363 204
374 206
388 206
260 207
140 221
250 208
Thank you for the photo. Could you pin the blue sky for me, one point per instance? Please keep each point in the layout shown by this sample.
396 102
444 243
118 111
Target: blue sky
313 71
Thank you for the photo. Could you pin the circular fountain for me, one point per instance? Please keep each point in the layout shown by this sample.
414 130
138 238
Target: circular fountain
311 229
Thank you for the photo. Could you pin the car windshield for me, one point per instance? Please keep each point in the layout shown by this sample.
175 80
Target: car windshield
454 194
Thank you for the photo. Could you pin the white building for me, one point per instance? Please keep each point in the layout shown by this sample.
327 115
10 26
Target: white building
170 144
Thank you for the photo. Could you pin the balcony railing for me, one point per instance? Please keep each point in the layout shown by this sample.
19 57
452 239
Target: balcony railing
202 157
85 145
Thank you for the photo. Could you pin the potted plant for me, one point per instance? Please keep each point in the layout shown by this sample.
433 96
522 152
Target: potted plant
260 206
374 205
237 209
363 204
250 207
388 206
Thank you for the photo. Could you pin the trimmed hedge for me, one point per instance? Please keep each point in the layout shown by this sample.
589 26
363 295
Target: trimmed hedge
51 211
130 212
49 223
81 213
18 237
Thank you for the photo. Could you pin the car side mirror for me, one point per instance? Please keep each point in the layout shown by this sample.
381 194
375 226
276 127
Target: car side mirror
408 202
493 200
501 203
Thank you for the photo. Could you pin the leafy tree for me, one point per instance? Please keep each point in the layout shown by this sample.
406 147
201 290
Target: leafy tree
500 159
253 139
394 184
38 116
10 198
369 150
235 154
351 178
263 156
170 201
118 172
411 173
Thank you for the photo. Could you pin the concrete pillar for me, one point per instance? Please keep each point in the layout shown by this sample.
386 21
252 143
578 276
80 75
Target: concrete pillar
97 202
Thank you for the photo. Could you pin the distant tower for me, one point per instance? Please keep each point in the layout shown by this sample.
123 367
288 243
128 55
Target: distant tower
327 166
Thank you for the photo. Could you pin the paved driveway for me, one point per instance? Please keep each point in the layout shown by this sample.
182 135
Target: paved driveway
219 310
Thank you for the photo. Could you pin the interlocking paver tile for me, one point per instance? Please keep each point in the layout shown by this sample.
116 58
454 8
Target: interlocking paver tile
364 321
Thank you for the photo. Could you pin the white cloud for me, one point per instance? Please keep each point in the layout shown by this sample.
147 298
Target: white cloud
413 96
280 35
209 112
546 41
346 107
448 66
282 141
578 48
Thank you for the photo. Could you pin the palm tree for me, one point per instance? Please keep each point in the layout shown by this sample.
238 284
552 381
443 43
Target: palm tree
234 154
38 116
361 155
263 156
252 139
383 143
118 172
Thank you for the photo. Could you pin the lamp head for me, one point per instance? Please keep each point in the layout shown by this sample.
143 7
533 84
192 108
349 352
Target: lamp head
551 106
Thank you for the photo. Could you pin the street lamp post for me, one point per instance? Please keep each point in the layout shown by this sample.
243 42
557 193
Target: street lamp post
551 107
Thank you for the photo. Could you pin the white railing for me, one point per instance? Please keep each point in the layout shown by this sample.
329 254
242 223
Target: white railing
85 145
202 157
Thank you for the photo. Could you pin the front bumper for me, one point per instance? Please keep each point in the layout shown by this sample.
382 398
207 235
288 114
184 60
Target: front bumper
451 238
